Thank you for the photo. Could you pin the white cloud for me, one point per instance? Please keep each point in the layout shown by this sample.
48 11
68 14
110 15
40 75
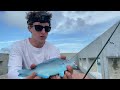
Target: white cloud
64 21
74 21
93 17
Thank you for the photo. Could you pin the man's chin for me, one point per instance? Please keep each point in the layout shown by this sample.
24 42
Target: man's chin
42 40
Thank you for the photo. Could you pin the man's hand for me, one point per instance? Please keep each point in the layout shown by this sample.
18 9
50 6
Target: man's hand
33 75
63 57
79 76
68 73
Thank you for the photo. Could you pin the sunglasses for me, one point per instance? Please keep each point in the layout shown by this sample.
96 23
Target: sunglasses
40 28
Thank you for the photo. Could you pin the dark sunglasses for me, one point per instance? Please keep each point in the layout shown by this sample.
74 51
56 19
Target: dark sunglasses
40 28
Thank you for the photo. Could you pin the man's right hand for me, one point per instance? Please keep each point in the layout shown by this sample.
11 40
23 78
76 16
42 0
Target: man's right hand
33 75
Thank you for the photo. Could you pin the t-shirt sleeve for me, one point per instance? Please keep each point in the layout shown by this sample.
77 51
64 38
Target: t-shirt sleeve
14 62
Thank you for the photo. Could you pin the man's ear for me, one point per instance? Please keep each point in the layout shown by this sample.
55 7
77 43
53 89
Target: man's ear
29 27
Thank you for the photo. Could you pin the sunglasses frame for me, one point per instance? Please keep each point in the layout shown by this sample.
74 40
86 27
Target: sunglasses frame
47 28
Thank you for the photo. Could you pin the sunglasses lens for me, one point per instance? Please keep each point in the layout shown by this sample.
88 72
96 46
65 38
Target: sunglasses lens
47 28
39 28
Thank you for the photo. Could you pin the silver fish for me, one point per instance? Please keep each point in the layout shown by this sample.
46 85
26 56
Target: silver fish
50 67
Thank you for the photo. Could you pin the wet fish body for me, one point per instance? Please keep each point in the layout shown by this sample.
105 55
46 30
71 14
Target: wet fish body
50 67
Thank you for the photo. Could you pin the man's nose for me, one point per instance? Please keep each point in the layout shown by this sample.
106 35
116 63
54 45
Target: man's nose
43 30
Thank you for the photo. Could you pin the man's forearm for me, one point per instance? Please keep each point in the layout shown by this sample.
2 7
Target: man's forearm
13 72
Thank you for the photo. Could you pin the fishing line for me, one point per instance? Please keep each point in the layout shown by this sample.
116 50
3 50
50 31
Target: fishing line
101 50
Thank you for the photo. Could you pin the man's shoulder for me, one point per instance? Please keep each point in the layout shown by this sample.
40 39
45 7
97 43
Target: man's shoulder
19 42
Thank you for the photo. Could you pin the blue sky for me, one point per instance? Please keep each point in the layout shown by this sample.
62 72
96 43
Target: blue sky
71 30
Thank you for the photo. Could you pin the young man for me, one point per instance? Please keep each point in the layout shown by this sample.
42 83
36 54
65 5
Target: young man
32 51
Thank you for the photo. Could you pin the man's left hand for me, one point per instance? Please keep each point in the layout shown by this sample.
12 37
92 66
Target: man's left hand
68 73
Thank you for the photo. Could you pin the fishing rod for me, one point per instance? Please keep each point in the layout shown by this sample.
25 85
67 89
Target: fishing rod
101 50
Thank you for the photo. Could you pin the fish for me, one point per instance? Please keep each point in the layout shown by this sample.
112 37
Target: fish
54 66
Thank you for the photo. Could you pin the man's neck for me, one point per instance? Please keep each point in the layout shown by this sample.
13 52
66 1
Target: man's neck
36 43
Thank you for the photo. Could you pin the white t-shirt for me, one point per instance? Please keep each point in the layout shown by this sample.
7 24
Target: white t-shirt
23 55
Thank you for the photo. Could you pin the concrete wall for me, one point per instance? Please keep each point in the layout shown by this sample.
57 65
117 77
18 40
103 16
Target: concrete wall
111 50
3 63
94 47
69 55
114 68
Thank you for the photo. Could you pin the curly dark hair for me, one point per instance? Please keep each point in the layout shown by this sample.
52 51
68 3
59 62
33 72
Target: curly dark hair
38 16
